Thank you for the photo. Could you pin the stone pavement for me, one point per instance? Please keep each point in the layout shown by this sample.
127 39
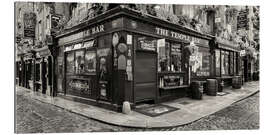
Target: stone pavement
187 113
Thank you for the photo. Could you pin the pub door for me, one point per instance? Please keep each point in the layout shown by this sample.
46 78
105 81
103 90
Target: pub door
145 76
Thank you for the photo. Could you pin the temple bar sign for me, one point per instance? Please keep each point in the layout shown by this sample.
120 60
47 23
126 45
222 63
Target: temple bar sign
165 32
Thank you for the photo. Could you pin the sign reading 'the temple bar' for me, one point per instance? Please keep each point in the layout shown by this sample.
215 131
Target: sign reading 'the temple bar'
176 35
94 30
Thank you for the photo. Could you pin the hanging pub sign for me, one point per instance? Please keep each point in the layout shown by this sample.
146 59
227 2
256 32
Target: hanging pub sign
29 24
242 53
242 19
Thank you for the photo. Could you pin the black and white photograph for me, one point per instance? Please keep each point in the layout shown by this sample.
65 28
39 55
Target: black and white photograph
88 67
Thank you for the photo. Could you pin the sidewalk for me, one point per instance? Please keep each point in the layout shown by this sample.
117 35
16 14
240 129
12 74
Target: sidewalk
186 113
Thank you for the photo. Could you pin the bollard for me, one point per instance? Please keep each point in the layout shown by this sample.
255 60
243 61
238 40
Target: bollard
126 108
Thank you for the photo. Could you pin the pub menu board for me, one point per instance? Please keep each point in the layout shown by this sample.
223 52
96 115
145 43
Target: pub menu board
172 80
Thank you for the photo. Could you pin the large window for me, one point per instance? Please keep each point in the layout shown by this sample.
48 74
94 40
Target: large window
164 58
90 61
231 63
203 63
176 57
70 62
169 57
217 53
225 62
79 61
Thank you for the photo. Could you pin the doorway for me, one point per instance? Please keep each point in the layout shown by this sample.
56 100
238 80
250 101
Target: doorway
145 76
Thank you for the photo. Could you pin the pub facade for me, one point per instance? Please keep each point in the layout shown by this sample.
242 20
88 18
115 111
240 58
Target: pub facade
122 55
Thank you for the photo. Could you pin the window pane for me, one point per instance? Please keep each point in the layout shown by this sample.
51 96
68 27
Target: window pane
70 62
225 63
217 62
90 61
176 57
164 58
202 66
79 61
231 63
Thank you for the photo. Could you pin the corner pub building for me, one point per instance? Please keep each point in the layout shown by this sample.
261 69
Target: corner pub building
121 55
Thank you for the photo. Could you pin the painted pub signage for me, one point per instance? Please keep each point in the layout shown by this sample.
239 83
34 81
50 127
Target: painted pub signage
140 26
181 36
94 30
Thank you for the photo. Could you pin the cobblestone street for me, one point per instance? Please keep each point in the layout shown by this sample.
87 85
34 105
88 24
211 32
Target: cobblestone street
35 117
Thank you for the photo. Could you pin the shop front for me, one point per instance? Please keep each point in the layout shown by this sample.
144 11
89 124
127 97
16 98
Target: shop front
43 71
126 57
228 63
24 70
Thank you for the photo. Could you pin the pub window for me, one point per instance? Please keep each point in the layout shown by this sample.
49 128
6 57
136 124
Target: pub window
164 58
79 61
217 53
90 61
203 63
231 63
225 63
235 63
176 57
70 62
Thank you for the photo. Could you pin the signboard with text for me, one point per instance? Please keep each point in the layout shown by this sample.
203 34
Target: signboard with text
29 24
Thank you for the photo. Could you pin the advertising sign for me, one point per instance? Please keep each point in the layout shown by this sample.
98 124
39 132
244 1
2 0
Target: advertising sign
29 24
